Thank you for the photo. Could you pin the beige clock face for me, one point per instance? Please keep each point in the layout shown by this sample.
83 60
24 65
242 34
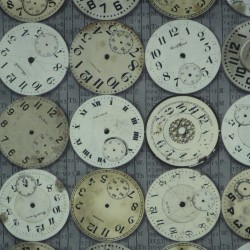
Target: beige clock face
242 6
31 246
106 57
115 212
184 246
245 247
107 246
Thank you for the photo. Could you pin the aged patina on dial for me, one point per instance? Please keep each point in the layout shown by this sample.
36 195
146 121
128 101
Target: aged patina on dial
37 216
182 8
116 209
182 131
33 59
241 6
184 246
236 204
107 246
235 130
106 57
33 132
32 246
183 56
107 131
182 204
31 10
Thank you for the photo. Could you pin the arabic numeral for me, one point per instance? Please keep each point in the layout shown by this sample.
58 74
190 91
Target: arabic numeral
202 225
173 230
201 35
133 65
134 206
15 222
158 65
119 228
174 31
189 233
126 76
57 67
207 47
131 220
4 123
91 4
10 4
156 53
11 152
201 3
166 76
175 8
117 5
238 148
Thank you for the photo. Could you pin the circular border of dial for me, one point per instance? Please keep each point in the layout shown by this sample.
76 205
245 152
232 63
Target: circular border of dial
184 246
240 6
108 246
245 247
28 245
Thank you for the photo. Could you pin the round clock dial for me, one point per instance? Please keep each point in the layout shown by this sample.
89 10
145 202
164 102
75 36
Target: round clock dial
245 247
182 131
37 216
107 131
31 246
184 246
235 130
115 212
33 133
41 63
183 56
242 7
106 10
182 8
107 246
236 204
171 205
31 10
106 57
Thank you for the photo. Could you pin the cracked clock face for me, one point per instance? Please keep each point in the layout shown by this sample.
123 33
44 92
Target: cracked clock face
178 207
117 209
31 10
106 57
41 63
107 246
33 133
107 131
184 246
182 131
183 56
241 6
36 216
32 246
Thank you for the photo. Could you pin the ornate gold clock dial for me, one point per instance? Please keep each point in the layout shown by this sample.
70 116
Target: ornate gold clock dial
241 6
106 57
33 132
32 246
107 246
184 246
116 209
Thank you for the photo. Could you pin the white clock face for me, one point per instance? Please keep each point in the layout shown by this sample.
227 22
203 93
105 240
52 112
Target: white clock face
184 246
182 205
183 56
41 63
242 6
31 246
182 131
245 247
39 215
106 131
107 246
106 57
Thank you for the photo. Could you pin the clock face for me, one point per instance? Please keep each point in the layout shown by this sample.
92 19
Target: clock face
39 66
106 57
245 247
31 246
183 56
31 10
184 246
36 216
182 8
242 7
236 204
107 131
182 131
106 10
235 130
107 246
182 205
115 212
33 132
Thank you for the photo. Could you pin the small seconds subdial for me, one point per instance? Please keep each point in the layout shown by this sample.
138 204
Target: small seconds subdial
34 7
26 185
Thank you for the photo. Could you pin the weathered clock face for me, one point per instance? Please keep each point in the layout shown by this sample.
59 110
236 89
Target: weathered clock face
33 132
184 246
31 10
245 247
107 246
115 212
41 63
106 57
182 131
31 246
242 6
182 205
107 131
36 215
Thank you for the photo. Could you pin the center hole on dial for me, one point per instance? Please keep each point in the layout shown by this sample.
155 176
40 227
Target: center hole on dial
106 131
32 205
31 132
182 204
183 55
107 205
106 56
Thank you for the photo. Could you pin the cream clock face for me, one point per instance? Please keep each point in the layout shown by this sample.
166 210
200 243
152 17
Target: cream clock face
31 246
115 212
33 132
107 131
41 63
241 6
182 205
106 57
107 246
236 204
31 10
182 131
245 247
183 56
184 246
33 215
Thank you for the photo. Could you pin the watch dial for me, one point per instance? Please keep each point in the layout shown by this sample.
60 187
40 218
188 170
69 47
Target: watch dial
242 6
39 215
184 246
115 212
107 246
182 205
106 57
245 247
183 56
32 246
41 63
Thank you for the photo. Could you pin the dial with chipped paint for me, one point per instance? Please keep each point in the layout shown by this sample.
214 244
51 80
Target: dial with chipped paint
114 213
182 131
184 246
183 56
32 246
107 131
107 246
106 57
41 63
170 205
38 216
241 6
33 132
235 130
236 204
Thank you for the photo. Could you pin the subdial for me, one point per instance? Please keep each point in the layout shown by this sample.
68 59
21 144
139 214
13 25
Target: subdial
242 115
118 188
26 185
44 144
203 200
35 7
189 73
242 188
